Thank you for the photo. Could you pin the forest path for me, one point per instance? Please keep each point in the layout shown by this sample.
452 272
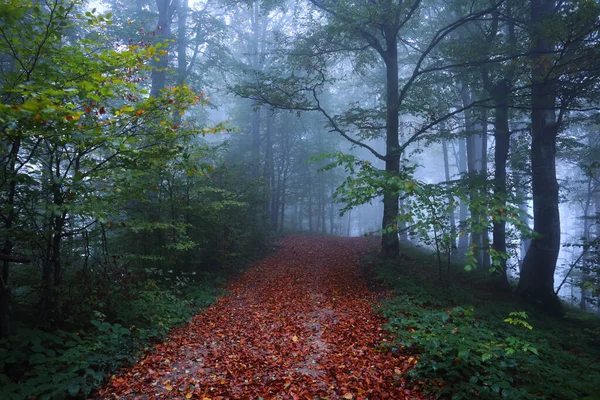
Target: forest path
297 325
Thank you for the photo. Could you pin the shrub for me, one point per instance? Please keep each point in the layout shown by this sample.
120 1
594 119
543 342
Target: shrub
466 346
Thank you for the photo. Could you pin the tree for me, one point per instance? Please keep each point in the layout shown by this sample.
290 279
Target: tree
373 32
552 95
73 115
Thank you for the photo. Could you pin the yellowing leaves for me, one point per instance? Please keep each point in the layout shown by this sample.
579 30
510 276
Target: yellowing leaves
348 396
295 339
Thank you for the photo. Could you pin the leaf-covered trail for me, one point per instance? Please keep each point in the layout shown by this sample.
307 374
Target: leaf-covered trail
297 325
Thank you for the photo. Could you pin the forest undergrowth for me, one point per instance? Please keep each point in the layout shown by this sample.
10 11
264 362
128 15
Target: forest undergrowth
321 318
126 315
472 339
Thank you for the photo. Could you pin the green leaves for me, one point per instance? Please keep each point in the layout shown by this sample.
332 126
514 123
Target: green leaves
473 349
37 358
518 318
65 364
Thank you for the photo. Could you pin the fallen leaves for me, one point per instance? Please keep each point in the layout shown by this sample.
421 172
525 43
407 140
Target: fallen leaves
298 325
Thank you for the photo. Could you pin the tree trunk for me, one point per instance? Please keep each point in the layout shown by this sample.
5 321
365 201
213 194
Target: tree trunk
281 186
390 246
256 109
537 276
349 230
522 199
331 212
461 161
8 243
473 142
309 198
483 157
182 13
282 213
163 31
270 192
502 136
447 176
52 268
255 149
587 238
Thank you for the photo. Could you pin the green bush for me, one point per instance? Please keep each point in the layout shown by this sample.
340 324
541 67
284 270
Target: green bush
60 364
465 346
38 364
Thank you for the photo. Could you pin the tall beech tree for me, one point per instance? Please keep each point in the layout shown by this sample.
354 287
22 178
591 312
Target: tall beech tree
380 32
562 71
537 274
498 80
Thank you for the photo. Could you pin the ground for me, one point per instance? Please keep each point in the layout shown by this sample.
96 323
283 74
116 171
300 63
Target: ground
300 324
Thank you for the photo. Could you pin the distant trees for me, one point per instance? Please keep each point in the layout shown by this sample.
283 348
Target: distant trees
367 34
544 81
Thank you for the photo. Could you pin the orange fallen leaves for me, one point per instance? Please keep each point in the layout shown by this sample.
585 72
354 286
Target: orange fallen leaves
298 325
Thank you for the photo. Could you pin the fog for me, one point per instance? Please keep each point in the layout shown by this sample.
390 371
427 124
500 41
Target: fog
180 135
259 62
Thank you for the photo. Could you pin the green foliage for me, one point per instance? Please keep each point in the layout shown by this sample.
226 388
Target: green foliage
38 364
131 217
63 364
518 318
427 207
467 345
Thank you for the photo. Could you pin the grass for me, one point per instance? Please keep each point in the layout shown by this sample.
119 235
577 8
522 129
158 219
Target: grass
472 339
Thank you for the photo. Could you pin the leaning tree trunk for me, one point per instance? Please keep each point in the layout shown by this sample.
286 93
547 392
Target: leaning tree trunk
537 276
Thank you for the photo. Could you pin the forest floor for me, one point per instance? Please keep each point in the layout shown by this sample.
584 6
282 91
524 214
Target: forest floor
299 324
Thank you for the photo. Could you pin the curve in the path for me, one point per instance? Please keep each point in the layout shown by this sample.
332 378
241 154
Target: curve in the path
297 325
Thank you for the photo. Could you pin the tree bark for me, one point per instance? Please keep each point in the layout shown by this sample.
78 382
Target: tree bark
270 192
390 246
473 142
502 136
447 176
163 31
537 276
482 173
8 243
463 238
